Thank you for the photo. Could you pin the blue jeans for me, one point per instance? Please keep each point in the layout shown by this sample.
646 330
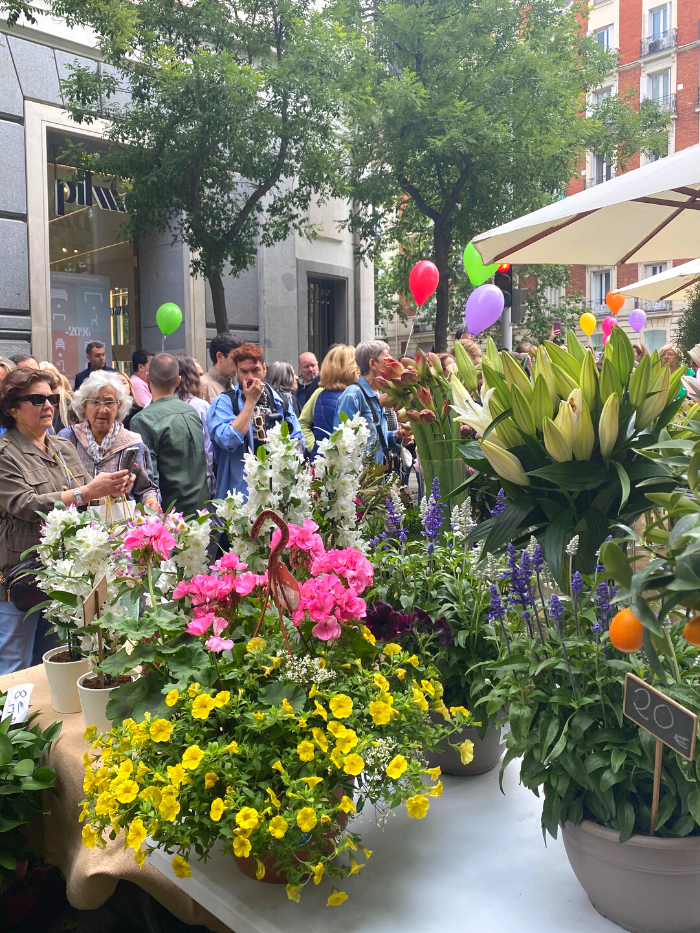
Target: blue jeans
17 637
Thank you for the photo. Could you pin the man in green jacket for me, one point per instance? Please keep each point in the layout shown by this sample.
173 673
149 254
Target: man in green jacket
172 431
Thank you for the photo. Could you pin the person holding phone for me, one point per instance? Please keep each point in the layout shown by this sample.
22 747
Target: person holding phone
102 442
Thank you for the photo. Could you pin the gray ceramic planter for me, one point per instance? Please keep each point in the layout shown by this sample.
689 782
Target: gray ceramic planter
487 753
648 884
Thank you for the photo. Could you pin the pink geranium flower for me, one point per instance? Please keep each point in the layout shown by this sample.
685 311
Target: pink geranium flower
200 625
229 561
302 539
219 644
246 582
327 630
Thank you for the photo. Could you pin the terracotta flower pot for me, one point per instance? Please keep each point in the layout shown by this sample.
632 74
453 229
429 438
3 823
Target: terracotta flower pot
648 884
62 679
487 753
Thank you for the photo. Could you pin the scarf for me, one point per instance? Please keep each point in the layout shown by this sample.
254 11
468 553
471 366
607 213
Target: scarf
99 451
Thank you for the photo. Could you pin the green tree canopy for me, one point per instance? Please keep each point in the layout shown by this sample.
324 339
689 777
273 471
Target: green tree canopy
687 332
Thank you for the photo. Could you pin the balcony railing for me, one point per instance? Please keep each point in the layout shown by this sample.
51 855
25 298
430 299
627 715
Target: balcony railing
594 180
644 304
669 102
658 43
379 332
596 307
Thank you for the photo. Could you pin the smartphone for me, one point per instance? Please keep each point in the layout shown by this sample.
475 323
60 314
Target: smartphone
129 459
556 327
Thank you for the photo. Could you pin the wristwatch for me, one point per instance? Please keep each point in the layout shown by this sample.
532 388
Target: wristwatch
78 496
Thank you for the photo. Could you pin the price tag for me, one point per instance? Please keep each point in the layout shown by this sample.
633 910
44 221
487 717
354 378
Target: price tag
17 702
505 729
667 720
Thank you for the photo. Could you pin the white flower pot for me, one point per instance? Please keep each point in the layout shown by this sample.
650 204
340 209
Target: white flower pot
62 677
94 703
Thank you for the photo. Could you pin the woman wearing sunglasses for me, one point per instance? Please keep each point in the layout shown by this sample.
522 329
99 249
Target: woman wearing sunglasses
36 471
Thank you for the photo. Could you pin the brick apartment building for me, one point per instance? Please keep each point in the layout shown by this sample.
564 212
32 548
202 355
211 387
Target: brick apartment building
658 49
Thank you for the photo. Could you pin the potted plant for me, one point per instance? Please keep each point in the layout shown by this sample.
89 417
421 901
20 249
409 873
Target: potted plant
23 779
296 721
430 595
562 669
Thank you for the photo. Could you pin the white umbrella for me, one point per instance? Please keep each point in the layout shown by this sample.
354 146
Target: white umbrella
643 215
675 283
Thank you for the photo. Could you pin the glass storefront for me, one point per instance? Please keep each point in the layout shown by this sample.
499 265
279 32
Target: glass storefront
93 272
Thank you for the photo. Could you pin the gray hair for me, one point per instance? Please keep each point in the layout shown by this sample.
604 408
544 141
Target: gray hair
280 376
93 384
7 364
369 350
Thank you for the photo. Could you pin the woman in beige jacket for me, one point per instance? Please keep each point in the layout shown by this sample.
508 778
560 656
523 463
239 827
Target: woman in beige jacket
37 469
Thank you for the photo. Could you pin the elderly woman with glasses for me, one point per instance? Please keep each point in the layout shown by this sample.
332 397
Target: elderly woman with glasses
37 470
101 440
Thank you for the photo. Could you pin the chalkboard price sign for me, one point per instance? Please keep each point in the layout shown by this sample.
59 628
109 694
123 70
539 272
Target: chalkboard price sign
667 720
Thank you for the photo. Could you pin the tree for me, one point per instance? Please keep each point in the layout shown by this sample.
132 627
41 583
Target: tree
472 116
232 126
687 332
541 314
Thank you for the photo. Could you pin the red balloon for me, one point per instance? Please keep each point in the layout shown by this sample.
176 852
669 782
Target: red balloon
423 280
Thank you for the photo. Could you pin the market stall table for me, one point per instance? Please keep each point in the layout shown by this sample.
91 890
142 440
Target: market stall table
91 874
476 863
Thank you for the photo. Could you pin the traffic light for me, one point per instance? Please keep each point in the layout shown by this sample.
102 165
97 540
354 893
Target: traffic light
503 279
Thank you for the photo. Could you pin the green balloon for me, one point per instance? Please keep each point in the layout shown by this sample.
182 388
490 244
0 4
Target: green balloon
168 318
474 266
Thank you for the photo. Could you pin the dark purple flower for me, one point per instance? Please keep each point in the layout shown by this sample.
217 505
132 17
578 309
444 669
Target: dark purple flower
596 627
500 503
577 583
443 631
497 608
556 610
381 620
538 558
434 516
405 623
393 519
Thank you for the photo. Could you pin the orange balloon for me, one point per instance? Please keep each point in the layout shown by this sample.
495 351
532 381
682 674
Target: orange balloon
614 302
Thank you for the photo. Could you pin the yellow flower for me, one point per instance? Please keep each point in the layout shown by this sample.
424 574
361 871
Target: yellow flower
142 771
336 729
278 766
353 764
367 852
313 692
90 734
435 791
293 892
312 781
89 836
217 809
319 710
222 698
231 747
277 827
400 673
381 682
419 699
126 767
140 857
126 791
380 712
302 723
248 818
306 819
259 716
354 867
417 806
255 644
320 739
259 869
194 689
181 868
104 804
136 835
336 899
160 730
177 775
273 797
169 808
346 805
391 649
368 636
335 756
192 757
305 751
341 706
172 698
396 767
428 687
210 779
202 706
347 740
466 751
455 710
287 706
318 872
413 660
89 782
433 772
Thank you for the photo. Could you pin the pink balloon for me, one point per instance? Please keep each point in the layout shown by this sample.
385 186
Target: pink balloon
608 325
638 319
484 307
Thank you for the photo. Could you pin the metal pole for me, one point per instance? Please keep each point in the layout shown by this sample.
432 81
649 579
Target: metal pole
506 330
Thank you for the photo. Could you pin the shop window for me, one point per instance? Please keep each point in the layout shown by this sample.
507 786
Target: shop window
93 273
655 339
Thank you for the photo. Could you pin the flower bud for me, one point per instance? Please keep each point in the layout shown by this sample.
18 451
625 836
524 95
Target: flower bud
425 397
413 415
467 370
505 464
655 401
609 424
584 442
492 355
391 369
506 429
566 421
541 402
422 364
522 411
556 443
589 380
515 375
639 383
427 416
401 415
563 382
609 381
409 377
435 364
544 369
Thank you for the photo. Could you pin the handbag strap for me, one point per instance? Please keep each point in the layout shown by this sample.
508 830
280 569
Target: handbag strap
377 421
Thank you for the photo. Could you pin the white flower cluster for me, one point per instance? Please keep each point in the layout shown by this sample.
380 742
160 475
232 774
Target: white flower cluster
55 526
462 520
378 755
190 555
338 468
572 547
397 502
305 670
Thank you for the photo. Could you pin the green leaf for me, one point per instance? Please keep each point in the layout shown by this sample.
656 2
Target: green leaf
617 759
556 537
5 750
519 717
508 523
616 564
667 805
574 476
624 482
625 820
137 697
559 747
278 691
23 768
694 804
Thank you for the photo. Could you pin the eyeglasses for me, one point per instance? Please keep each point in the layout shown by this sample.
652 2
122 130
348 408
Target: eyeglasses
100 403
38 400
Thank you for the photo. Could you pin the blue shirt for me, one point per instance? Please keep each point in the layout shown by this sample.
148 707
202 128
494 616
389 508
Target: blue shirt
352 402
230 444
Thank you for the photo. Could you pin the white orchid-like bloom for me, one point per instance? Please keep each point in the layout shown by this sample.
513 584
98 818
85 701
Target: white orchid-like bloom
477 416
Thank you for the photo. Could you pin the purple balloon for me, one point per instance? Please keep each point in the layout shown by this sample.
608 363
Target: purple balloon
484 307
637 320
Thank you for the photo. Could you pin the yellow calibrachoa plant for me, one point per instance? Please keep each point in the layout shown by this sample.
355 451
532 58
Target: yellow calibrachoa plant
275 763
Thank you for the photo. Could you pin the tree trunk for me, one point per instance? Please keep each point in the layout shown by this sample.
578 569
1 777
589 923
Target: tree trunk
441 242
218 297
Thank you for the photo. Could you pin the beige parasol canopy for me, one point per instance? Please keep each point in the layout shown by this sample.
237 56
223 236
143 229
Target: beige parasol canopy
674 284
648 214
